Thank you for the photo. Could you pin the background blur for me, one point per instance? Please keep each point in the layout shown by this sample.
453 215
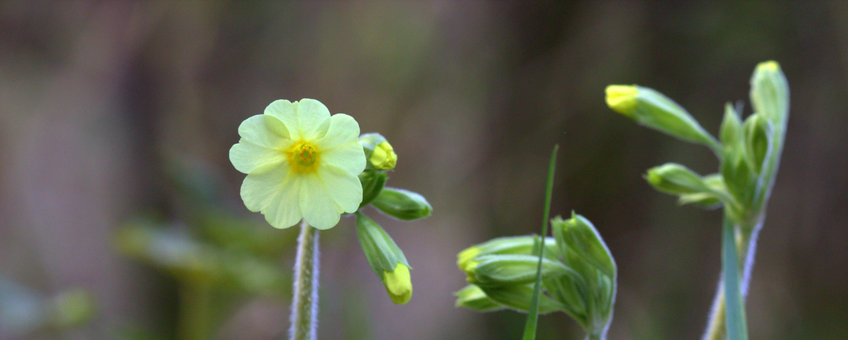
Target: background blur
116 119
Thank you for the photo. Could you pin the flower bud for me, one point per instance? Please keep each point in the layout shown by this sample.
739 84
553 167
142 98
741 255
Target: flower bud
380 250
580 236
398 284
378 151
472 297
654 110
730 131
757 140
402 204
675 179
517 245
372 184
770 93
511 269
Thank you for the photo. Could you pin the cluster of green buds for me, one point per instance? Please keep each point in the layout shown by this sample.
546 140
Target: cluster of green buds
749 151
384 256
578 274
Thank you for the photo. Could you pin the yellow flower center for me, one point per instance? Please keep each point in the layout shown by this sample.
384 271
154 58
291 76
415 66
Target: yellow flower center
303 157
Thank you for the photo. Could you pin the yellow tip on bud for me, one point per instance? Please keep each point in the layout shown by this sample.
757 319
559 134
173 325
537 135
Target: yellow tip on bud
464 257
398 284
622 98
770 65
383 157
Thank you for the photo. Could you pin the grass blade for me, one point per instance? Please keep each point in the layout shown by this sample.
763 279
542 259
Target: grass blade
533 315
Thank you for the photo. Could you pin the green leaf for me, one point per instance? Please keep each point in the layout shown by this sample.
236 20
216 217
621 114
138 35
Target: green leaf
533 315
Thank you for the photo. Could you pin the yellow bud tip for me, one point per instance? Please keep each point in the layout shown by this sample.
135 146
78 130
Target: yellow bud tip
383 157
622 98
465 256
770 65
398 284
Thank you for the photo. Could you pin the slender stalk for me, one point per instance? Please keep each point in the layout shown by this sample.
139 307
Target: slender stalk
746 244
304 308
592 336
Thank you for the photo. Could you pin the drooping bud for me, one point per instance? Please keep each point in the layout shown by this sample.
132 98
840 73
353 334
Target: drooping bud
378 151
654 110
385 258
398 284
402 204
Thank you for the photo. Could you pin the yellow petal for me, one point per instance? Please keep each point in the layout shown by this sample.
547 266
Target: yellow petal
398 284
349 158
342 129
264 131
345 189
247 157
317 206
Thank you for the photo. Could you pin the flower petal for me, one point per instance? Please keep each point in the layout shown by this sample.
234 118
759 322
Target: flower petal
345 189
246 156
317 206
306 120
259 189
342 129
349 157
284 210
264 131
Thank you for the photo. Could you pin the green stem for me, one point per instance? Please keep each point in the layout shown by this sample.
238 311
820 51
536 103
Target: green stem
592 336
746 244
195 311
304 308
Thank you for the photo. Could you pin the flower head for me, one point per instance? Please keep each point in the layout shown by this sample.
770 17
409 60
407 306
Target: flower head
301 163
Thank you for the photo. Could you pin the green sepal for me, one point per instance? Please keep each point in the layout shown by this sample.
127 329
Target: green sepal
472 297
758 133
515 245
380 250
579 235
512 269
372 184
656 111
402 204
730 131
518 297
676 179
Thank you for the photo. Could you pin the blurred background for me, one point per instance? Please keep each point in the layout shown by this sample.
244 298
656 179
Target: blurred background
120 211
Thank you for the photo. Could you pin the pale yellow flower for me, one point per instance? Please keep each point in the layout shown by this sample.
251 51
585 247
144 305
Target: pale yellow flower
301 163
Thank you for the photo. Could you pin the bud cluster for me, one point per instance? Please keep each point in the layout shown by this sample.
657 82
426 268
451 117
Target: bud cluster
384 256
578 274
749 151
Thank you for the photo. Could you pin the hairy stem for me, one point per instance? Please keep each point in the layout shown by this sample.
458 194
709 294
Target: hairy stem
304 308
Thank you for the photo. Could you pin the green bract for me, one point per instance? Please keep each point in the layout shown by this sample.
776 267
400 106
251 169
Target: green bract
301 163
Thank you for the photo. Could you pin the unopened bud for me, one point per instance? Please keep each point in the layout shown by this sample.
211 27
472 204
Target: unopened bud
402 204
378 151
474 298
398 284
675 179
654 110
